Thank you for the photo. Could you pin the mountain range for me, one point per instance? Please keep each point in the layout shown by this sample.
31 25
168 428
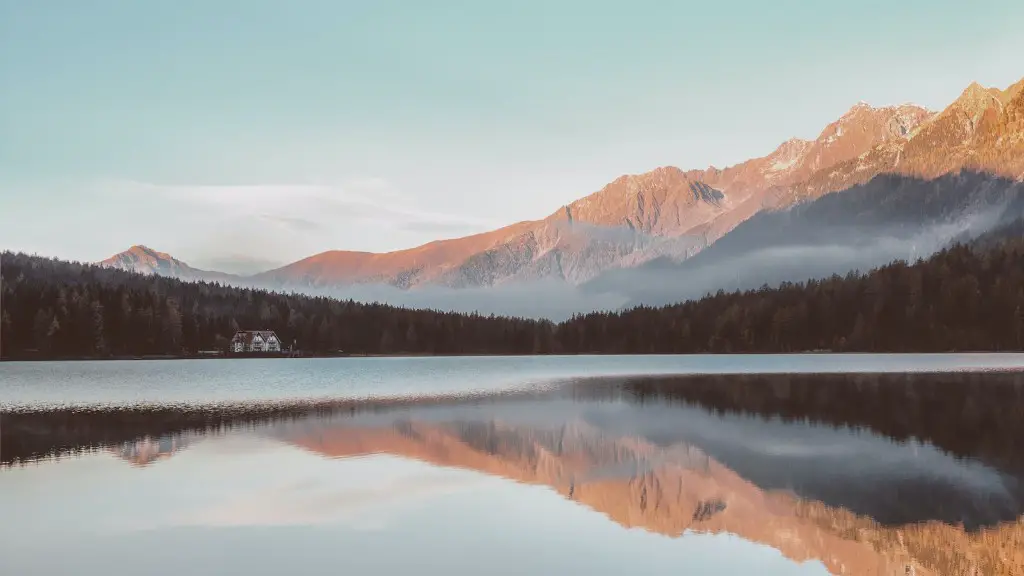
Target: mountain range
909 180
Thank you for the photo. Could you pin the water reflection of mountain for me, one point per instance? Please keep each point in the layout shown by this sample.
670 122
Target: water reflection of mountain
855 452
679 488
147 450
867 473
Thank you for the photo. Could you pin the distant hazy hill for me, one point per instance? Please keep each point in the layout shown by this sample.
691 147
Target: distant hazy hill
144 260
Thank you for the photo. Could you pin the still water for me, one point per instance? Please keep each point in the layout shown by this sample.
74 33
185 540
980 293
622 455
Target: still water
551 466
255 380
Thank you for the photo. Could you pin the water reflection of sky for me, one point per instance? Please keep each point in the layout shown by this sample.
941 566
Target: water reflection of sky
34 384
863 474
242 504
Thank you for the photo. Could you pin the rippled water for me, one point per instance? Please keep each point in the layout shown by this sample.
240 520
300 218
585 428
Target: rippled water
698 474
209 381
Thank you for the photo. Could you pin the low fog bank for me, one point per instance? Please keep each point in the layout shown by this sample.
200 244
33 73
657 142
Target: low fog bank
659 285
846 249
551 299
838 252
767 251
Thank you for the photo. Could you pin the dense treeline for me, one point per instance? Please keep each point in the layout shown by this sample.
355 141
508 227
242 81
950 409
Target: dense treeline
963 298
66 309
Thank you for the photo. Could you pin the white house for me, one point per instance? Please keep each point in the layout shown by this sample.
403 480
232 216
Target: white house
255 341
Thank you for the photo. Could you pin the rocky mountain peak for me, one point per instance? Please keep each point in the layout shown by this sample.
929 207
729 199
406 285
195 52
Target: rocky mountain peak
857 132
145 252
883 123
945 140
656 202
975 131
787 155
143 259
975 99
859 107
1012 92
791 148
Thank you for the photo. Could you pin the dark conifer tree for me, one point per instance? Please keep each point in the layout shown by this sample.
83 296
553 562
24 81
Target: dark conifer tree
962 298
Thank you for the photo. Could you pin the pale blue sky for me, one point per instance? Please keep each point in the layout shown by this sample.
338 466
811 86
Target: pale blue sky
214 129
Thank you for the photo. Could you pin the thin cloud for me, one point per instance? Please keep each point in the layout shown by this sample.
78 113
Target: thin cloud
292 222
280 222
308 206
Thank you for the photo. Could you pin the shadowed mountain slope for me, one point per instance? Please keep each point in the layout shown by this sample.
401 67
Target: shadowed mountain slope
888 218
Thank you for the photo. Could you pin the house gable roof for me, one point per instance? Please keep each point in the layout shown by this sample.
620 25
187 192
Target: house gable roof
247 336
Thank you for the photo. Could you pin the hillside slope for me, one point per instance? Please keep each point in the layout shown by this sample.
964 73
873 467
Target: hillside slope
890 217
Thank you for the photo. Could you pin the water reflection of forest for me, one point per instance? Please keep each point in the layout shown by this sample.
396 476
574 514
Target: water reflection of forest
668 454
970 415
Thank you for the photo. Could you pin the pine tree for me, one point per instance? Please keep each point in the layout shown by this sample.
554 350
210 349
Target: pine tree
6 332
962 298
41 329
99 341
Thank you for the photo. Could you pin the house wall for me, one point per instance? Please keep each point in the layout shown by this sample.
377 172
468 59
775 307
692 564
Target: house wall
257 344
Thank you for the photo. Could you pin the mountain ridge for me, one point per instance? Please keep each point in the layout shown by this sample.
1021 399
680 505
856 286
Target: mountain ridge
671 213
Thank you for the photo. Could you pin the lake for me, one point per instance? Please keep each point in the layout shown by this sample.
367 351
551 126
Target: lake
815 464
261 380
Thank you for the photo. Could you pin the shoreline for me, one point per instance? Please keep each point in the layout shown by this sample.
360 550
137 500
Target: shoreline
251 357
477 355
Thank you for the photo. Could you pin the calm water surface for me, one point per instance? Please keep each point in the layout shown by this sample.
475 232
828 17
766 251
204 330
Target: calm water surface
208 381
244 504
580 466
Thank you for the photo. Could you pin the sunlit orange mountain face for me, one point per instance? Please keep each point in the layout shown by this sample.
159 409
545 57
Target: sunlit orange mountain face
869 157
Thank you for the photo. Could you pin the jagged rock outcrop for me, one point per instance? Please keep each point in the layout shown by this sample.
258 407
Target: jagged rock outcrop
979 131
